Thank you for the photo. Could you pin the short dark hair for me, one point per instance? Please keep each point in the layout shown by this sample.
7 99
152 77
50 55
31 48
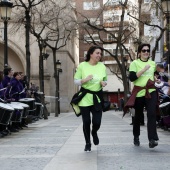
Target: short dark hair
91 50
160 65
1 76
142 45
7 70
15 74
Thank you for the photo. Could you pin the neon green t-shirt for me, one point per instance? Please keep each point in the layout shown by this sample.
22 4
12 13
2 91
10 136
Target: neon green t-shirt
99 74
138 65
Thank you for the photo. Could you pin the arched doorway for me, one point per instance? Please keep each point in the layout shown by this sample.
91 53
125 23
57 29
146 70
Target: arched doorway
14 60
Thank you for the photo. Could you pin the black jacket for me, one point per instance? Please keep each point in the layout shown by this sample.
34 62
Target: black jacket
79 96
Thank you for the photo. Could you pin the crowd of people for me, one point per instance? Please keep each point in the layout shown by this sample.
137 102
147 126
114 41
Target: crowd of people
13 87
145 74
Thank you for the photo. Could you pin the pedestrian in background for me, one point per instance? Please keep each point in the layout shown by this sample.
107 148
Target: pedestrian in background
144 94
121 104
91 76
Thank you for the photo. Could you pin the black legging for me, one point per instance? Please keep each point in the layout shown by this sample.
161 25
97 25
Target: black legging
150 104
96 121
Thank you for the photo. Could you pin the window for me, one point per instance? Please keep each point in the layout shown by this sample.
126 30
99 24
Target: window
95 37
126 17
146 1
114 51
110 16
111 2
110 37
95 21
85 53
73 4
124 51
106 53
116 17
91 5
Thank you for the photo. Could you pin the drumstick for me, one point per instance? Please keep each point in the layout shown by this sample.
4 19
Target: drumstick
2 89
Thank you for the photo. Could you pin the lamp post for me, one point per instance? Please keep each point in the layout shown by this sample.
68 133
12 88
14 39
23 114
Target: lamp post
166 10
43 56
58 70
5 8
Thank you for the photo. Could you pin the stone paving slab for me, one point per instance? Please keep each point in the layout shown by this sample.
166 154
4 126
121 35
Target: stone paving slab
58 144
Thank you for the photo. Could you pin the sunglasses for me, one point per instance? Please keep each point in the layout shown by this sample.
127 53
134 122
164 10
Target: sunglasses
144 51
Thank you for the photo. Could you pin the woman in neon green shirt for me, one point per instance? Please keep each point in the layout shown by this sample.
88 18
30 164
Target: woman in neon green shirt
91 75
141 72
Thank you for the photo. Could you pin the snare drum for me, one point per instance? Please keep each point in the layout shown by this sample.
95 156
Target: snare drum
25 108
30 102
5 113
165 108
17 114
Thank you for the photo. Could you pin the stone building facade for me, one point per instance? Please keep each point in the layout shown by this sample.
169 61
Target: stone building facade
68 56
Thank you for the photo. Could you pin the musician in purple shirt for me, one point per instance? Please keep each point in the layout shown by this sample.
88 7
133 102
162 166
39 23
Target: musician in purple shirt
8 74
1 85
16 86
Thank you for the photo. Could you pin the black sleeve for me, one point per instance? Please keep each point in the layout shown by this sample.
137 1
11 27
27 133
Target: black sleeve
132 76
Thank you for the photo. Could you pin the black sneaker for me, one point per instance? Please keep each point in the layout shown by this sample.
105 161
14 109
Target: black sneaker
87 147
95 138
152 143
136 141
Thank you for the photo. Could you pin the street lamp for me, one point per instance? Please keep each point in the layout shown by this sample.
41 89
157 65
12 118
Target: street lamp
166 10
43 56
5 9
58 70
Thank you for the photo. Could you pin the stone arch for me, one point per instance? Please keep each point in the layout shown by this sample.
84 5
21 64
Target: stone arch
16 57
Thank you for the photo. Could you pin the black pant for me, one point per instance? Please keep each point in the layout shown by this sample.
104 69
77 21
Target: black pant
96 121
142 119
150 104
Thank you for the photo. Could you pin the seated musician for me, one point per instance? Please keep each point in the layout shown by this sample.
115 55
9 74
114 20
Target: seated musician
8 74
2 127
23 85
16 87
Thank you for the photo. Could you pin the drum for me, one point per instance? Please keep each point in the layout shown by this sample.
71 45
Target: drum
159 85
39 109
17 114
5 113
165 108
30 102
25 108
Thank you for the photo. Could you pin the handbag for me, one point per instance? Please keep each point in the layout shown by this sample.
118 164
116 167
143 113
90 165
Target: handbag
106 106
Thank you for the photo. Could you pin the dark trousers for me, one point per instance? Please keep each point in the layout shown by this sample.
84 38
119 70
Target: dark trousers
86 117
150 104
142 119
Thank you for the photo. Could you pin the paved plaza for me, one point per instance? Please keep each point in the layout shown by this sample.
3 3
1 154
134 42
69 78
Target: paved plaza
58 144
